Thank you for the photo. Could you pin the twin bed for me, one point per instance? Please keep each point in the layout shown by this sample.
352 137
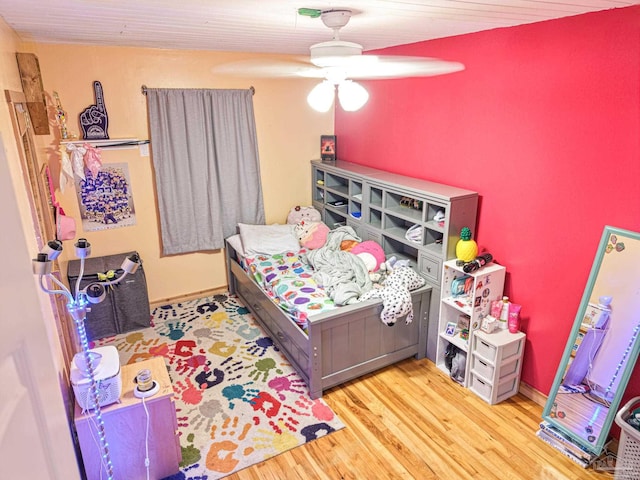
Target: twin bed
327 344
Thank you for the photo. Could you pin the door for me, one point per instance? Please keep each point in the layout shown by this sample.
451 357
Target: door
41 206
35 434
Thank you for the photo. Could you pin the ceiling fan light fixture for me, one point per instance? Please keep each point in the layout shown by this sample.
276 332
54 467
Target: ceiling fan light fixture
352 95
333 52
321 97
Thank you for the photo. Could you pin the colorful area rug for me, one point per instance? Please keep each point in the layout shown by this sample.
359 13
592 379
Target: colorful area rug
238 400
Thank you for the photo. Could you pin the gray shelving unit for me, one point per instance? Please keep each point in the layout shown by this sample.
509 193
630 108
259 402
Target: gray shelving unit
383 206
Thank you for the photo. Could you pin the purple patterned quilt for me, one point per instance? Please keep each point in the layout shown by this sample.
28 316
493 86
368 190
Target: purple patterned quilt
290 284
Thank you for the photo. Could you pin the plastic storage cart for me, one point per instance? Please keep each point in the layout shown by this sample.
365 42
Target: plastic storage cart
628 461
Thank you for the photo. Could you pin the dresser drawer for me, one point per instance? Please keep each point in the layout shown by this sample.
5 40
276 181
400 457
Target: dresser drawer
429 267
492 372
494 352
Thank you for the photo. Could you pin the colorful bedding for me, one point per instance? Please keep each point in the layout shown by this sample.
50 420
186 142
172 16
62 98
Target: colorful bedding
290 284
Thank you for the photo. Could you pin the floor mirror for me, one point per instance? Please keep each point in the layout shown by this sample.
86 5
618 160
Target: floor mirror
603 345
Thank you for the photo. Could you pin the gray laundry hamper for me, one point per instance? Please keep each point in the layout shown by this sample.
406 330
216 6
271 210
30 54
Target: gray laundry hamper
126 306
628 461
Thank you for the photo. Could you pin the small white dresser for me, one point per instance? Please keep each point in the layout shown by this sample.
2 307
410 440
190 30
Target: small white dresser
496 363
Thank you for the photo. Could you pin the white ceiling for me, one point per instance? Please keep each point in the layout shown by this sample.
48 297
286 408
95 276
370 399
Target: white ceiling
271 26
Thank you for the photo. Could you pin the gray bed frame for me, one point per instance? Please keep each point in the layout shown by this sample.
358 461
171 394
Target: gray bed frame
342 344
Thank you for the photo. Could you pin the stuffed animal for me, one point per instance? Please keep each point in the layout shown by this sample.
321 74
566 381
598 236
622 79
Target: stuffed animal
386 268
298 214
347 245
311 235
391 263
371 253
396 296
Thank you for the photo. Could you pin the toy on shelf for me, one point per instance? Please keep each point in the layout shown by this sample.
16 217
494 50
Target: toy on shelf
479 262
61 117
411 203
466 248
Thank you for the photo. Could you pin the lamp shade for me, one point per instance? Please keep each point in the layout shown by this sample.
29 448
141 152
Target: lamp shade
352 95
321 97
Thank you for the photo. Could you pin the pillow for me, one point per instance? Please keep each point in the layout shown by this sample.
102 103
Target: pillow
267 239
311 235
235 242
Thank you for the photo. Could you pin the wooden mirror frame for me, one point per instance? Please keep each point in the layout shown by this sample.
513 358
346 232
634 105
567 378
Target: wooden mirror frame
610 237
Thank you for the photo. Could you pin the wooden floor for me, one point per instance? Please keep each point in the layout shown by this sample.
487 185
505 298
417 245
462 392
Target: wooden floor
410 421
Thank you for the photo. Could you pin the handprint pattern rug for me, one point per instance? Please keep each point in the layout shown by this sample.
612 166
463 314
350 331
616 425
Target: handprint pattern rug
238 400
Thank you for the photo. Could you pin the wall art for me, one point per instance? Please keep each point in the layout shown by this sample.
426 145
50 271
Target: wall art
106 200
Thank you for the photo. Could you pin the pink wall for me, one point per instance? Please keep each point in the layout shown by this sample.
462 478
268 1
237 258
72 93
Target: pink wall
544 123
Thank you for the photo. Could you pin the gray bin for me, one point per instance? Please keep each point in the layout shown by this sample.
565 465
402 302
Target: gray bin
126 306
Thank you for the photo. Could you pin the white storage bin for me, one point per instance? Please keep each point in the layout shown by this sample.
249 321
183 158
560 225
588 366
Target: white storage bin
489 371
507 388
496 364
481 387
628 461
482 367
485 389
485 349
511 350
497 347
509 367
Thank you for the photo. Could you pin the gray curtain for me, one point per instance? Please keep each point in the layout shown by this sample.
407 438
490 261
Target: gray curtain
205 156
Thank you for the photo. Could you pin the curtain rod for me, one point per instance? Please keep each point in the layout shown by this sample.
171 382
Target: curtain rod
144 90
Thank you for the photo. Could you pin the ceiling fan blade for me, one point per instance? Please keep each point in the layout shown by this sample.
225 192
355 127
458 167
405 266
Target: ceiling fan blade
337 60
274 68
384 67
355 67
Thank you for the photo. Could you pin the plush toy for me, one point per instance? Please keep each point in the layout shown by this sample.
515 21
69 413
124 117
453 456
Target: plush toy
311 235
298 214
387 267
347 245
392 262
371 254
396 296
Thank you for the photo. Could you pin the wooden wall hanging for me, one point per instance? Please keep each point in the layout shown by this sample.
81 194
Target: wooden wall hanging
29 69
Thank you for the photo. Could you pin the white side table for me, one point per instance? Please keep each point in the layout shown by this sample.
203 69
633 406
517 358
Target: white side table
125 429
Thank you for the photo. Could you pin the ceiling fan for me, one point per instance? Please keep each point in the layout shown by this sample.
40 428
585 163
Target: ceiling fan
339 62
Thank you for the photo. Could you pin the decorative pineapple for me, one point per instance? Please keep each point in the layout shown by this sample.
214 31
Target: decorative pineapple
466 249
